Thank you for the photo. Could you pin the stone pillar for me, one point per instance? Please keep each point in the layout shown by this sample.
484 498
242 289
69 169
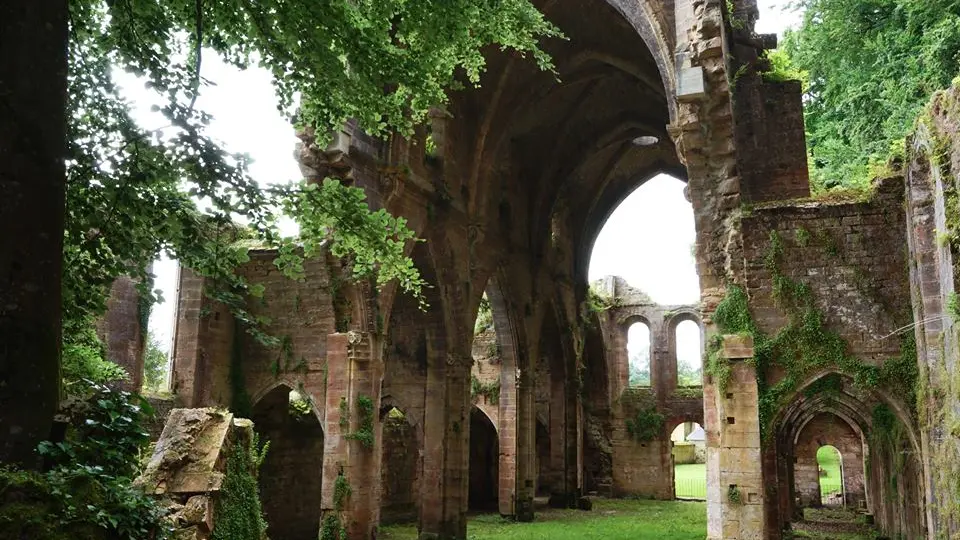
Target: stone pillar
352 441
564 438
203 342
446 446
735 489
508 429
526 436
123 331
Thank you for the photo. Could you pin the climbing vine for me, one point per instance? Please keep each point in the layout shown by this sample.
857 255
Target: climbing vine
647 422
490 391
333 527
802 347
239 514
364 432
645 425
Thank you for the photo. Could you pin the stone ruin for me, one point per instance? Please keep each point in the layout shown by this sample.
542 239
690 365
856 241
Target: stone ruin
188 467
390 400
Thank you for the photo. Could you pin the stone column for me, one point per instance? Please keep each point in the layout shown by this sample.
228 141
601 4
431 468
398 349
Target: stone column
564 438
526 436
352 441
735 489
446 451
508 429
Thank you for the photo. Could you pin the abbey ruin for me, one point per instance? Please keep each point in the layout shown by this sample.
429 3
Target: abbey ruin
825 322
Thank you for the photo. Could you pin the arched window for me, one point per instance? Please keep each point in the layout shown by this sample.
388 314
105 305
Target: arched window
638 354
689 354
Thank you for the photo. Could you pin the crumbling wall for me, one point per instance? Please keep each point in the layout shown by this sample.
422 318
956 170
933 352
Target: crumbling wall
643 465
189 470
933 213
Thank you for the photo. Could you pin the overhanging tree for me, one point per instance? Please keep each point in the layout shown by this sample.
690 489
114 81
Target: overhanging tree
130 194
872 65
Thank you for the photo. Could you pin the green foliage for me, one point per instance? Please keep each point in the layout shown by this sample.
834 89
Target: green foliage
239 513
733 494
598 302
484 316
132 193
802 347
84 358
300 407
872 66
783 69
154 365
646 424
364 432
332 526
489 391
106 431
87 490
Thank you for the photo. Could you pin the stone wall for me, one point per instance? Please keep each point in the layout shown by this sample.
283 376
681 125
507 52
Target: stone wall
933 217
122 330
400 469
644 467
823 430
852 255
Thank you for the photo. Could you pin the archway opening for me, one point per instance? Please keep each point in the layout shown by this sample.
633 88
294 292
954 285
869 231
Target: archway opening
399 470
638 354
484 462
648 240
292 472
689 349
689 454
830 471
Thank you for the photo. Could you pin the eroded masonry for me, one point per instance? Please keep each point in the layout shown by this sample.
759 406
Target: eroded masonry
825 322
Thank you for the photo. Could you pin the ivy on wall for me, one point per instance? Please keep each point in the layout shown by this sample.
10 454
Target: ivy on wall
647 422
239 514
489 391
802 347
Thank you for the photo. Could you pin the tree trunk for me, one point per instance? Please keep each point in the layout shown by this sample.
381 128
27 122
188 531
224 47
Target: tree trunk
33 92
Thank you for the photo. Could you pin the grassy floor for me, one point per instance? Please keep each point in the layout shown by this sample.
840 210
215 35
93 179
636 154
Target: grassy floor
609 520
691 481
833 524
829 460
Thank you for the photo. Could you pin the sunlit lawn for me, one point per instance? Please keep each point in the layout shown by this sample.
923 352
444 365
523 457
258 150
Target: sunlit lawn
829 461
609 520
691 481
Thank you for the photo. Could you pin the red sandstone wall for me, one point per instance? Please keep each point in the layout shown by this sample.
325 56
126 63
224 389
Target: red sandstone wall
854 260
122 333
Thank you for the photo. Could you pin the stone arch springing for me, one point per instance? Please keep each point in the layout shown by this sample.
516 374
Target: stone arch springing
292 472
484 462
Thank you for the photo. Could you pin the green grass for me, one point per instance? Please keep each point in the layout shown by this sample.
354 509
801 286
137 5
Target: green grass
620 519
691 481
829 460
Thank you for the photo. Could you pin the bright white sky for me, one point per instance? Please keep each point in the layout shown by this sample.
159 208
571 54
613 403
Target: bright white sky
647 240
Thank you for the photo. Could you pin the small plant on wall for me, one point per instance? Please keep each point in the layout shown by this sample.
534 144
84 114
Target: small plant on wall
646 425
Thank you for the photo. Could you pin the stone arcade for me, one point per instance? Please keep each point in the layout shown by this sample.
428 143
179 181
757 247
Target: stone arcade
424 419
